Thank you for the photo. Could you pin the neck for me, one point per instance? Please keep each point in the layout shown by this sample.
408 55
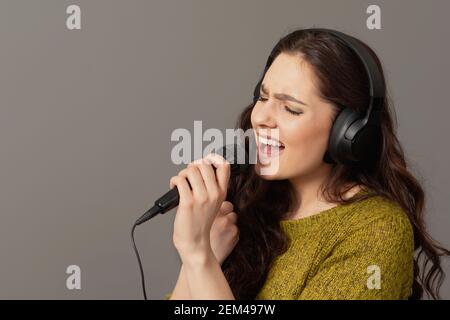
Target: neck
308 190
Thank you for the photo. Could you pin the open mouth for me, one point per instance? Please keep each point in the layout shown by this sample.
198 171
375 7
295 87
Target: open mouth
269 147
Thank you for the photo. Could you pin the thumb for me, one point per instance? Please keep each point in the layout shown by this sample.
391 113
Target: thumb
226 207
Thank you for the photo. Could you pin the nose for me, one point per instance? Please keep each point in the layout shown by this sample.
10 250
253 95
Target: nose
264 116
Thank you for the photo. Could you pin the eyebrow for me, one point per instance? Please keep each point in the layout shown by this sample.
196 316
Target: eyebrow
283 96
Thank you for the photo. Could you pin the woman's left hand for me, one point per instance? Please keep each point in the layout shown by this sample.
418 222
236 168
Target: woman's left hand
199 206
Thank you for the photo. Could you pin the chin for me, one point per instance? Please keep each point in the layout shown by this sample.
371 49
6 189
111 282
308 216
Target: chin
267 175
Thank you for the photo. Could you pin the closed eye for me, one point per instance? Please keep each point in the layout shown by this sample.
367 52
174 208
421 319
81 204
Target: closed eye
296 113
292 111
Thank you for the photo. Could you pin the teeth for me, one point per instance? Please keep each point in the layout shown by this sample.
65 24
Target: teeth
270 142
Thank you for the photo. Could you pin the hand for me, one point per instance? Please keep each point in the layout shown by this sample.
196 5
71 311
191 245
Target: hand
199 205
224 232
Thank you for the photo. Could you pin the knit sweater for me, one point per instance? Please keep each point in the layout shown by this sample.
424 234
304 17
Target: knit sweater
362 250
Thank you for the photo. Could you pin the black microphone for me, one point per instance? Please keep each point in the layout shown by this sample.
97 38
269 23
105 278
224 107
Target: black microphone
235 154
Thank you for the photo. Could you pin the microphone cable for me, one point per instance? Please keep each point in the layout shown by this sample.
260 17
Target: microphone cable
156 209
139 261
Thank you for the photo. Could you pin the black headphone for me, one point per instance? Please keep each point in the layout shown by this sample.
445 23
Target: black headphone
355 137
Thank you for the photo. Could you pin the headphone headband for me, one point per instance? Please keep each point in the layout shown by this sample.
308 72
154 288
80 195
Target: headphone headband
376 80
377 87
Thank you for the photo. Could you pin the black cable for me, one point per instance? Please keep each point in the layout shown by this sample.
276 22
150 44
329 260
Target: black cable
139 260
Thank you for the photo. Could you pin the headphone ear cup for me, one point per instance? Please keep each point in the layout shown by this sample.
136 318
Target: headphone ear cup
339 147
367 143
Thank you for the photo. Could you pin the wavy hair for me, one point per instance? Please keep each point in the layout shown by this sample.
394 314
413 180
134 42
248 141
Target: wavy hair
261 204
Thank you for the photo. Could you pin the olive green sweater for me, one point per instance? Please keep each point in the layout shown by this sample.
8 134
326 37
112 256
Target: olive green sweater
362 250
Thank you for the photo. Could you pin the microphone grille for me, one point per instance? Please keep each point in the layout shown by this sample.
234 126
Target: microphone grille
236 155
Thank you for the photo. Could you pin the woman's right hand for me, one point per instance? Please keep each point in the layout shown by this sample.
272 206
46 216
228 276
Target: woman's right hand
224 233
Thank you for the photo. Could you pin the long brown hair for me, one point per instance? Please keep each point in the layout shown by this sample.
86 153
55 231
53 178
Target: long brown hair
261 204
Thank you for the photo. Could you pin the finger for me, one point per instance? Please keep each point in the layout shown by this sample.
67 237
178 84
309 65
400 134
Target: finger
209 177
233 217
186 196
226 207
222 170
193 175
171 184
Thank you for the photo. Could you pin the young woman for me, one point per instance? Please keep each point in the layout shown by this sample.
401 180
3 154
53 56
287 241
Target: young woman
312 229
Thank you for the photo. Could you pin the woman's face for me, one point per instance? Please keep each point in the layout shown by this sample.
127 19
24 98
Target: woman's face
303 135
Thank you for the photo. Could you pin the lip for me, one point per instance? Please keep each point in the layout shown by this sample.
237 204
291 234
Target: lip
269 138
275 151
264 157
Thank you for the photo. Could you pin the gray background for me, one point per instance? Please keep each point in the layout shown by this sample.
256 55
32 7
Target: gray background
86 118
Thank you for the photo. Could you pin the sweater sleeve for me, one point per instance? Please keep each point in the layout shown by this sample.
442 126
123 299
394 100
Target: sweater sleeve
373 262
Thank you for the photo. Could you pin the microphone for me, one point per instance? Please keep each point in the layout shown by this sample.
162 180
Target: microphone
235 154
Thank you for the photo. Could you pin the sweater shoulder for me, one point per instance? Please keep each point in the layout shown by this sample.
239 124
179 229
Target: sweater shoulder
380 214
379 207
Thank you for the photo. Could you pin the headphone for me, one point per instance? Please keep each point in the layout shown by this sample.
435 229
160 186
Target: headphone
355 138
